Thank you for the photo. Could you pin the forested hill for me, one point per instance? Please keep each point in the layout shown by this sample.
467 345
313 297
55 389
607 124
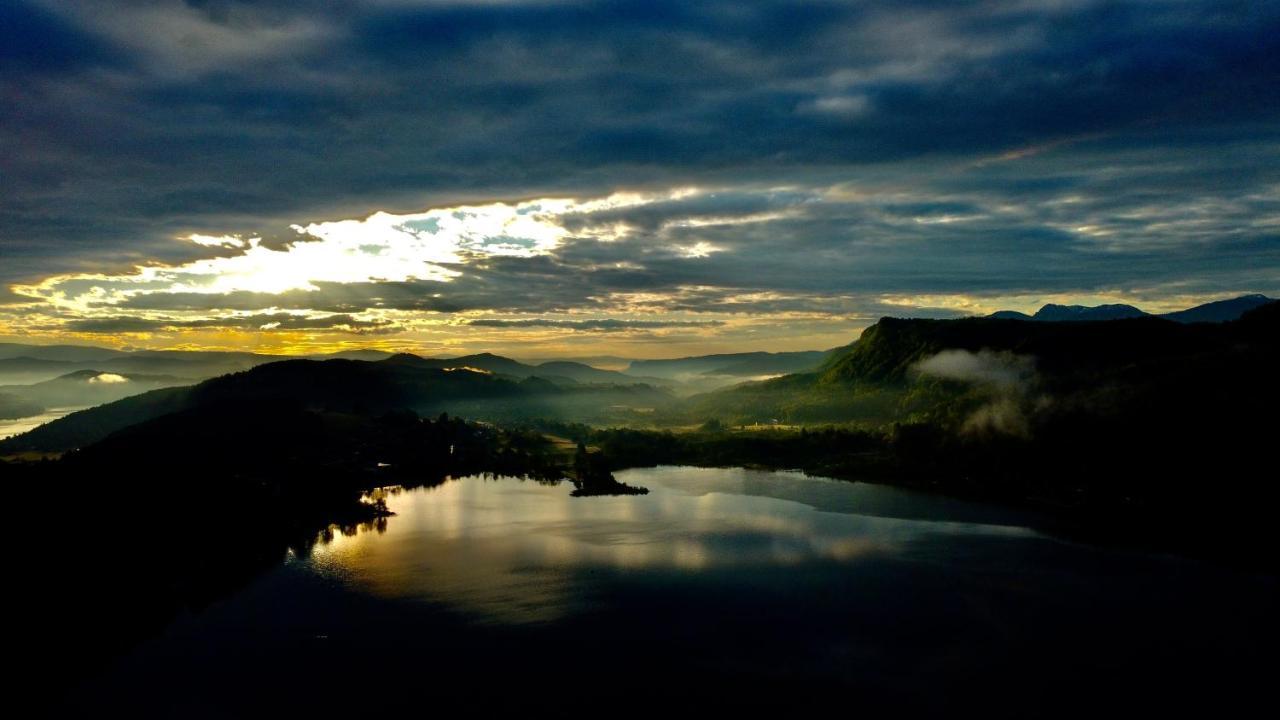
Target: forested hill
883 376
888 350
898 371
352 386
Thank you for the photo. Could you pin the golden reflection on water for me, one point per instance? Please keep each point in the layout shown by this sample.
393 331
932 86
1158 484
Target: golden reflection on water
510 550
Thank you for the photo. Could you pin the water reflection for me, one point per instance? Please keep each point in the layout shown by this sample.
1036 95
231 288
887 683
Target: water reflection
514 551
16 426
726 591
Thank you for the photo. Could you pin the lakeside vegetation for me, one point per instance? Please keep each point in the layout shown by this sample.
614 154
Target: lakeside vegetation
196 503
1131 423
1140 430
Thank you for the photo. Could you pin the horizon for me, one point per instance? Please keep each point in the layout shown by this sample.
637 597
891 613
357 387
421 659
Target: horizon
601 360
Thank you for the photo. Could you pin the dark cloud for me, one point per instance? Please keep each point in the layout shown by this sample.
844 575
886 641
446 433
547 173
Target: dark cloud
8 297
329 297
907 147
605 325
270 321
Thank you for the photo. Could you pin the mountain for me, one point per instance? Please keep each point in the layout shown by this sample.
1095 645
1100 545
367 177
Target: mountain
64 353
1084 313
583 373
24 365
88 387
401 381
22 369
184 363
199 499
191 365
757 364
487 362
731 364
359 354
13 407
1220 311
483 361
878 379
602 362
1009 315
1213 312
562 371
888 350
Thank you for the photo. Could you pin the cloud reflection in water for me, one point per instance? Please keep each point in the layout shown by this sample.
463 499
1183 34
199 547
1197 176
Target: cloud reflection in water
516 551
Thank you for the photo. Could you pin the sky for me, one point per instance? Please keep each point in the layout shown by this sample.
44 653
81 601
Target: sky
644 179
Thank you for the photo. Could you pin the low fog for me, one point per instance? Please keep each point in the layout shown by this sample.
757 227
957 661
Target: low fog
1010 378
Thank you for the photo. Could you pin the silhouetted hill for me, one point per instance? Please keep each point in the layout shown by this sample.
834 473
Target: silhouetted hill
88 387
197 501
887 350
580 372
192 366
27 364
362 354
88 426
772 363
63 353
13 406
733 364
877 379
1144 429
1213 312
1221 311
355 387
23 369
1084 313
488 362
558 371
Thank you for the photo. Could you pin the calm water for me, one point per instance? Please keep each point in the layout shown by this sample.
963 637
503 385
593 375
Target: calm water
11 427
721 590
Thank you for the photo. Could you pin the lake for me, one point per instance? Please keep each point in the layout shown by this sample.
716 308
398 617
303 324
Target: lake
724 590
17 426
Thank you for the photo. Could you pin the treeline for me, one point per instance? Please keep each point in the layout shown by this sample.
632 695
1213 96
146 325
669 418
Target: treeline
178 511
893 374
1171 478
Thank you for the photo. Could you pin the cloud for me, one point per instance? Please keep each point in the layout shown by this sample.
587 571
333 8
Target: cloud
272 321
842 107
604 325
185 39
1010 378
1002 370
842 154
108 379
821 251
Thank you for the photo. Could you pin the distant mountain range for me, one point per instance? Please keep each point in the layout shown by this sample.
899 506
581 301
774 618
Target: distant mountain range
25 364
37 377
483 387
736 365
557 387
875 379
1214 312
22 364
1140 420
83 388
561 371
